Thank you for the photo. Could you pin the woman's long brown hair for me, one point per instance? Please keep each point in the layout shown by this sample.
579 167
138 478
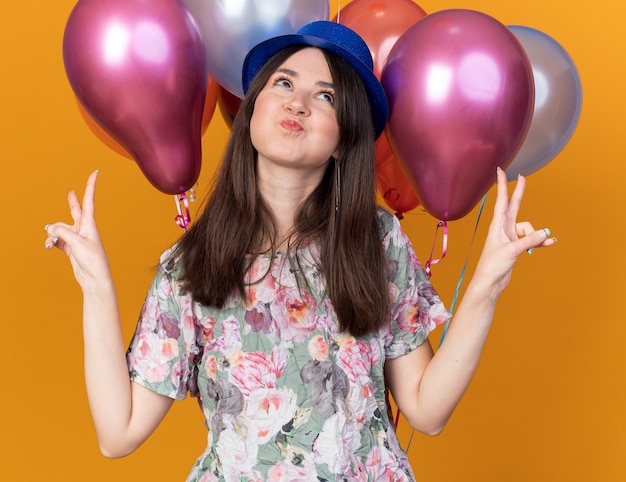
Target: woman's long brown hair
236 223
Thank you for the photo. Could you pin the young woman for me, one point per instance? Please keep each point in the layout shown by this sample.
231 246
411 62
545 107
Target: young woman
293 301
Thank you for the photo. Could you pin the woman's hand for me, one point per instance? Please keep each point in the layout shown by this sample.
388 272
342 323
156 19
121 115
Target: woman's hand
81 241
507 238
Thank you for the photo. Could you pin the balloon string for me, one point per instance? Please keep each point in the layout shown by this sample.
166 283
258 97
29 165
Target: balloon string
458 286
182 206
454 299
431 261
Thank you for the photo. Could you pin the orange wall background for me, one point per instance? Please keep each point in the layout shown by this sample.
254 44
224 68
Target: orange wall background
548 400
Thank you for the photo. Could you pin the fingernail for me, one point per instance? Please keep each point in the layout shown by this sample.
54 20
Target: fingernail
48 245
54 240
529 251
46 227
554 240
499 168
547 231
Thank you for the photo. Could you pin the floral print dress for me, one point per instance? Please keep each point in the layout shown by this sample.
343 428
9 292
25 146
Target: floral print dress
286 395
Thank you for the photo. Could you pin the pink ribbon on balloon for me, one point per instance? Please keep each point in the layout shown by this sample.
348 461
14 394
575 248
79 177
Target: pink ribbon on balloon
183 219
441 224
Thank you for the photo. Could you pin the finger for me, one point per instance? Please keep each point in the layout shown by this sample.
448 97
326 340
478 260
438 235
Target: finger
75 208
502 194
549 241
536 239
60 244
89 196
51 242
516 197
52 239
60 235
51 229
524 228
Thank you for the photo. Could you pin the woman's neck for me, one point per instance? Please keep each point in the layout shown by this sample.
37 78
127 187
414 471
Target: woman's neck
283 191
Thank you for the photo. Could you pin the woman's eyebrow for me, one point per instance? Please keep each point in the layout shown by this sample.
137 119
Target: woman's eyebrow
327 85
293 73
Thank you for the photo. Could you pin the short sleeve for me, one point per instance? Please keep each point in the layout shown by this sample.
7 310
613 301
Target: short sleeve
162 355
416 308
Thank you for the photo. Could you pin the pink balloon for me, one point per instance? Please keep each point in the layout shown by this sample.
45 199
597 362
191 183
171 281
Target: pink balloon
461 96
139 69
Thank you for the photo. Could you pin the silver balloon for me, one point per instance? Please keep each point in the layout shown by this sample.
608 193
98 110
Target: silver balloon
230 28
558 98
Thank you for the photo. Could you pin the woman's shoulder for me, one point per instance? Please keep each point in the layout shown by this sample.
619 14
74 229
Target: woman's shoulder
169 263
387 221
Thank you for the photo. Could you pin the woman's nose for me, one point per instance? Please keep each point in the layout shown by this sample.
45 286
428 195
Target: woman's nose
296 105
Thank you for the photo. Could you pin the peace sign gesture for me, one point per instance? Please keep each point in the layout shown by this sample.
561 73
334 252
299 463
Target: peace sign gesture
507 237
80 241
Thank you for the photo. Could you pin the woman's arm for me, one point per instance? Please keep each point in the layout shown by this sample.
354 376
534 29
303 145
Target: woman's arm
124 413
428 387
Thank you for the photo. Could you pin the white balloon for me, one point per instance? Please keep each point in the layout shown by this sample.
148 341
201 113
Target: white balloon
558 98
230 28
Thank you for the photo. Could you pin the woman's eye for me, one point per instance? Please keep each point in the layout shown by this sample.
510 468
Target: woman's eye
328 97
282 82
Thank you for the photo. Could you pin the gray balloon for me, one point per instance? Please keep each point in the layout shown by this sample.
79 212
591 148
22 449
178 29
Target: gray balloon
230 28
558 99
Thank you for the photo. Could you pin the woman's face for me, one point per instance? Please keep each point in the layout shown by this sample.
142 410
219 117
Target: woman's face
294 123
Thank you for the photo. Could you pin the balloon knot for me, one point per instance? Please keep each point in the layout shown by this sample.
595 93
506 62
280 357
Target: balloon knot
183 219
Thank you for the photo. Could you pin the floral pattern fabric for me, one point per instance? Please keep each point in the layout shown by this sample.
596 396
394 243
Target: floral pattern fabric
286 395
